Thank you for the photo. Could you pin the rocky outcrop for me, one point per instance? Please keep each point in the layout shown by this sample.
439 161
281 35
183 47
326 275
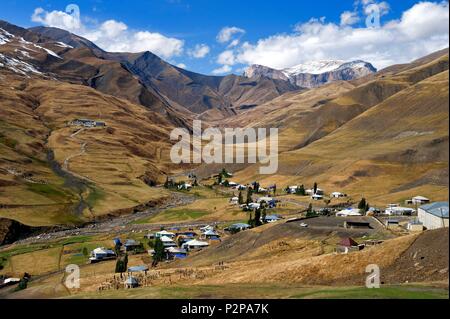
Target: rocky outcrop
10 231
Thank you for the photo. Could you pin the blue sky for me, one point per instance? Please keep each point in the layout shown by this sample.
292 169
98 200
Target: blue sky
274 33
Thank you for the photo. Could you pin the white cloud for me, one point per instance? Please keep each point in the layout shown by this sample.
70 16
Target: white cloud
349 18
200 51
182 65
226 34
57 19
222 70
111 35
421 30
113 28
234 43
226 58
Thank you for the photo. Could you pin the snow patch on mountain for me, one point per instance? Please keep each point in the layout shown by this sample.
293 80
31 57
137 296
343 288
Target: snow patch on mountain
26 44
17 66
5 36
63 45
315 73
314 67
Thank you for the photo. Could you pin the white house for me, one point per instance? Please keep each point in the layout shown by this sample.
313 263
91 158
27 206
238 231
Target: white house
420 200
434 215
398 211
101 253
349 212
337 195
271 219
265 199
164 233
211 235
168 242
206 228
239 227
195 244
317 197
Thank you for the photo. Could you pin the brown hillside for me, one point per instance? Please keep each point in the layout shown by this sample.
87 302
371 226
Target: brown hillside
107 166
386 140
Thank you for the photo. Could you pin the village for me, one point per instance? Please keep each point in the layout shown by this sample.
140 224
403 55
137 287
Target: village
140 256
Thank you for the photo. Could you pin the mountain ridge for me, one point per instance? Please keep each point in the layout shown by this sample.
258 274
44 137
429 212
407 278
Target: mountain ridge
315 73
195 92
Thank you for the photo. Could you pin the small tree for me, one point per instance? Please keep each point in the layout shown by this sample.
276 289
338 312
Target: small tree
166 183
250 220
249 195
117 248
241 198
219 179
121 264
310 211
195 184
23 284
264 215
85 252
224 172
362 204
301 190
257 221
275 190
315 188
158 256
125 262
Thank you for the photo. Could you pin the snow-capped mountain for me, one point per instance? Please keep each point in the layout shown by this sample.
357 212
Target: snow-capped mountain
315 73
22 56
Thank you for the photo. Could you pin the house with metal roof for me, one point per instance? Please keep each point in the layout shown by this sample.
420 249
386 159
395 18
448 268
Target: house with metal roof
399 211
349 212
142 268
131 244
347 245
238 227
168 242
211 235
176 253
164 233
420 200
100 254
271 218
434 215
206 228
195 245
